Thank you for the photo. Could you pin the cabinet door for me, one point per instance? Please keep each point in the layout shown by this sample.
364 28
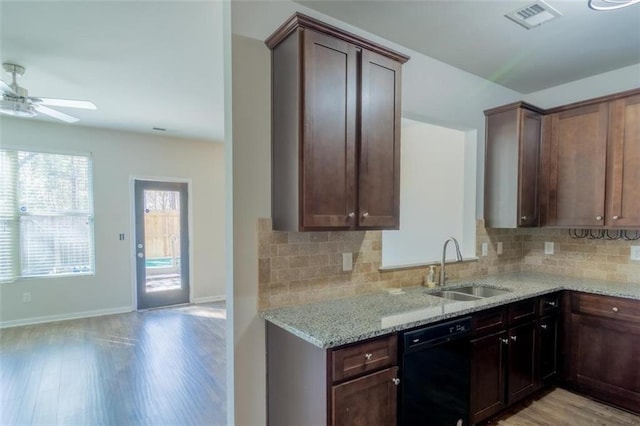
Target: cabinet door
367 401
530 125
577 161
548 349
624 163
328 173
379 160
488 358
522 361
604 359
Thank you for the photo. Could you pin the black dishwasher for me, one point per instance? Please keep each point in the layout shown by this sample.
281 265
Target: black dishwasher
435 368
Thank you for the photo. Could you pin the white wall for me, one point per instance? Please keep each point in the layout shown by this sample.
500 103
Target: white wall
591 87
435 182
116 157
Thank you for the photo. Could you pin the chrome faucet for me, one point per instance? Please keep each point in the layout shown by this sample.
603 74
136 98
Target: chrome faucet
443 275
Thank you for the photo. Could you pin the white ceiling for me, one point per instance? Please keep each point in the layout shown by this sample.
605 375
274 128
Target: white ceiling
475 36
144 64
158 63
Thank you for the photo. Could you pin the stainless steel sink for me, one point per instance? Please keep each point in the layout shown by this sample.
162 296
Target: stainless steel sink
481 291
454 295
469 292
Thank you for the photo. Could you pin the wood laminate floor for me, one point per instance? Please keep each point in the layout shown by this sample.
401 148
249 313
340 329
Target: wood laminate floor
159 367
560 407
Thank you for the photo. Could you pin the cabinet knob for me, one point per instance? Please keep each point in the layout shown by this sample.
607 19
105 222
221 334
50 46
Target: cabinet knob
514 338
598 217
543 326
614 309
505 341
616 217
523 218
368 356
352 215
552 304
395 381
365 214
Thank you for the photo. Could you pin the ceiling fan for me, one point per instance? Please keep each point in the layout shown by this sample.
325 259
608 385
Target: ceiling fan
17 102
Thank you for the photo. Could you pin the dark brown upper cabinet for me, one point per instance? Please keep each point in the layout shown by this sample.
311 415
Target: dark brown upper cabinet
335 129
511 166
591 163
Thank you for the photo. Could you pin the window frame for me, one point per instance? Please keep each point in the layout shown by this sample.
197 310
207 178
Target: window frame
17 243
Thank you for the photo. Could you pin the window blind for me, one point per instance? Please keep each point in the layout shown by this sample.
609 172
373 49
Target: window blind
50 229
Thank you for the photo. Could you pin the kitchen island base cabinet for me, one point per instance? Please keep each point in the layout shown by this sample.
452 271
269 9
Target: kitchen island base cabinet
351 385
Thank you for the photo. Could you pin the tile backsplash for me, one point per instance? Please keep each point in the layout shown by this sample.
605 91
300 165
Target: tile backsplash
303 267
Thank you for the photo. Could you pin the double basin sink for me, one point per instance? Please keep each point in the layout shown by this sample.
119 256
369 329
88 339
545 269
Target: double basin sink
469 293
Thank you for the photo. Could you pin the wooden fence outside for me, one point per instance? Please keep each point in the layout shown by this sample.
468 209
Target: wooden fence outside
162 233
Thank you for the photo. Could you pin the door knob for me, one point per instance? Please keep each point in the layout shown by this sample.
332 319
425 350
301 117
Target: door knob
140 255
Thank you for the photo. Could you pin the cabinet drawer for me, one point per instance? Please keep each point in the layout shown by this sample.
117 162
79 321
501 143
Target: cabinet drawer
364 357
524 310
607 306
489 321
549 303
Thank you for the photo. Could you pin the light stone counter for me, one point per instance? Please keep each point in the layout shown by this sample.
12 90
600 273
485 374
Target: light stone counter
338 322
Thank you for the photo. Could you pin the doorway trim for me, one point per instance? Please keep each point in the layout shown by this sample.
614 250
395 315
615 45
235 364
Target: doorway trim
132 231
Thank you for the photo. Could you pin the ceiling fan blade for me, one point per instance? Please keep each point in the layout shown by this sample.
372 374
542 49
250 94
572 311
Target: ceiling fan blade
69 103
56 114
5 88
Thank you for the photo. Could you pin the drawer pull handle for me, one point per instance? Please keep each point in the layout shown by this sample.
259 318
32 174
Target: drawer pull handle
514 338
368 356
395 381
505 341
614 309
543 326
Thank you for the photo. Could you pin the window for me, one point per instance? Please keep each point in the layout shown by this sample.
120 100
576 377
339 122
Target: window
46 215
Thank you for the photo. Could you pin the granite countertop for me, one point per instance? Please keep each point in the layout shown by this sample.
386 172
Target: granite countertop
337 322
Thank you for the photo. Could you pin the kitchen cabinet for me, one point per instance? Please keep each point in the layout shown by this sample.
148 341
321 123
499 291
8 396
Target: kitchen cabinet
623 166
605 349
503 363
549 338
512 155
591 158
335 129
353 384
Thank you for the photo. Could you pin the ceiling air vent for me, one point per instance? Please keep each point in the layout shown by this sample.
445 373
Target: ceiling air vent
533 15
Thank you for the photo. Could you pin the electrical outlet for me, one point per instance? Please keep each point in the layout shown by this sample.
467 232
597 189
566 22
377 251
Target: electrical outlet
26 297
548 247
635 253
485 249
347 261
499 248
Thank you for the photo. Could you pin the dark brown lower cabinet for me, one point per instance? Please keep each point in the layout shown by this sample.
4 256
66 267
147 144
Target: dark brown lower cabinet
521 367
548 347
604 361
488 373
368 400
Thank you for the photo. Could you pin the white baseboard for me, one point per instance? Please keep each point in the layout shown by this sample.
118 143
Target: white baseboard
209 299
63 317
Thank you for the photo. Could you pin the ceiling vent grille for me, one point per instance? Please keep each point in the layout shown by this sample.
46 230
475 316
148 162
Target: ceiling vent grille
533 15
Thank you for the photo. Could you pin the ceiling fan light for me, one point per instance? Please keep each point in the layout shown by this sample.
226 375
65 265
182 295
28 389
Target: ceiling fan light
601 5
16 108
